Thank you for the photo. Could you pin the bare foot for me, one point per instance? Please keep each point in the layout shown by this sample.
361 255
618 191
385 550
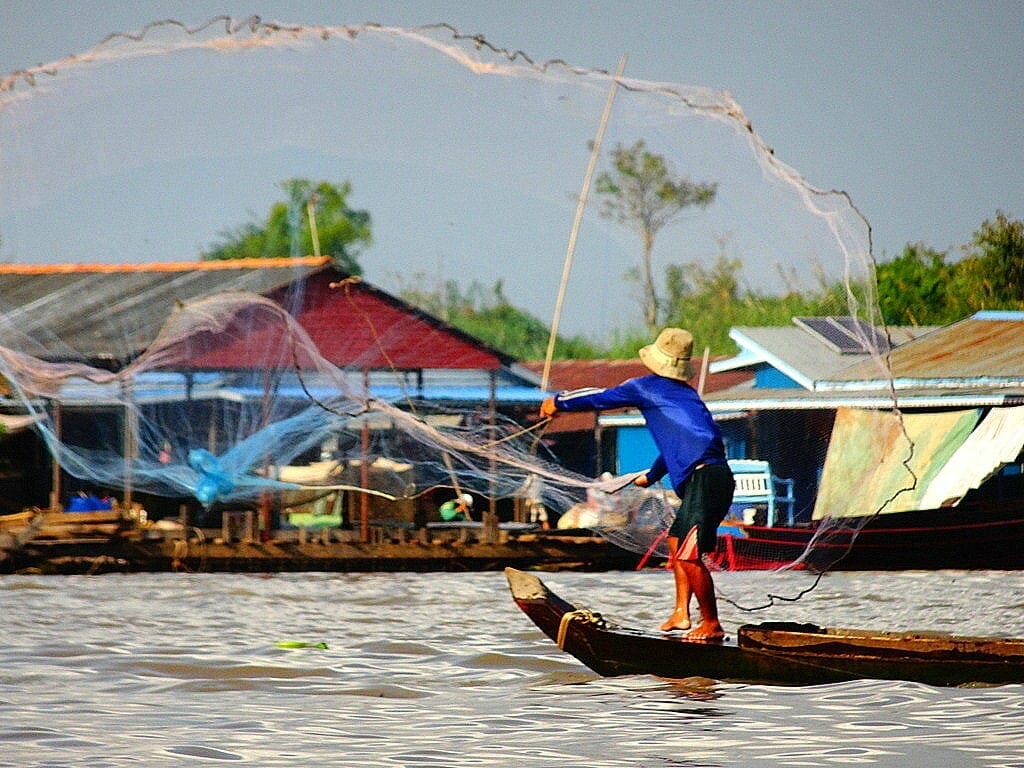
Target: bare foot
709 633
677 620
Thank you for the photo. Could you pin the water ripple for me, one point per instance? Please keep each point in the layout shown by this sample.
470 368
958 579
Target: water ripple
190 673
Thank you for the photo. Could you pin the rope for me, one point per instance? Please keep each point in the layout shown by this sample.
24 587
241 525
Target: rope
580 614
524 431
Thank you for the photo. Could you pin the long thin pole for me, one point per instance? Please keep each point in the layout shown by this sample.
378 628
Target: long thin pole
595 152
703 370
128 442
313 233
58 431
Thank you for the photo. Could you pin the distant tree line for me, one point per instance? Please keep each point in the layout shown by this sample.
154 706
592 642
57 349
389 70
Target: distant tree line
920 286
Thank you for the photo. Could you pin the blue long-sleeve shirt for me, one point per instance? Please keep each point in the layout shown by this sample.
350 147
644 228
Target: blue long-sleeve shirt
678 420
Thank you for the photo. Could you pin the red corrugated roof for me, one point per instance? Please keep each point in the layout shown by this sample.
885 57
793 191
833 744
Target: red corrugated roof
355 325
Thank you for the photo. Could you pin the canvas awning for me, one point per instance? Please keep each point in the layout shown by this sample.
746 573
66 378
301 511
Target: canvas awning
885 461
997 441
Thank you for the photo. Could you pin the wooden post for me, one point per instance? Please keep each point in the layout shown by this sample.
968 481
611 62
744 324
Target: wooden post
364 477
128 442
58 430
489 533
703 370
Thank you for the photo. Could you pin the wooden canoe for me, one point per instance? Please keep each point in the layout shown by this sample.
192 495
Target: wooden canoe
774 653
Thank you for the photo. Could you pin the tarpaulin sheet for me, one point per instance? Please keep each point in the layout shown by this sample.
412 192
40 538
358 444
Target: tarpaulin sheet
997 441
883 461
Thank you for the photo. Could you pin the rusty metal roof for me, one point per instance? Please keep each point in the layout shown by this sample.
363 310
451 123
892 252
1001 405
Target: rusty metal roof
112 311
985 349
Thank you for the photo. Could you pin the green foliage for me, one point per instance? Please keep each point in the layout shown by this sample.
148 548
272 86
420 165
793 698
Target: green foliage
340 231
994 269
914 288
917 288
709 303
643 193
493 319
920 287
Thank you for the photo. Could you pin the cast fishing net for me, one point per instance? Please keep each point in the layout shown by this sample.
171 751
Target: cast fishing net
233 402
469 158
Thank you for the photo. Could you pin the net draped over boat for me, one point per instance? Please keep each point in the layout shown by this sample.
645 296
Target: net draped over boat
468 156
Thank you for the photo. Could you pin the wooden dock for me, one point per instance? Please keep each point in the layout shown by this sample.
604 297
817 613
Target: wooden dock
57 542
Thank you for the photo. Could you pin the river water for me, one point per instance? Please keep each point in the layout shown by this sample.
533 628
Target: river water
444 670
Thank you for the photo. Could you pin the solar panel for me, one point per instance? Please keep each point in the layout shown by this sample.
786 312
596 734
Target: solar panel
846 335
861 330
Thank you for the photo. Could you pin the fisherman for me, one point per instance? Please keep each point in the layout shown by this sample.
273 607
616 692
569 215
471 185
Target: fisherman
691 453
457 509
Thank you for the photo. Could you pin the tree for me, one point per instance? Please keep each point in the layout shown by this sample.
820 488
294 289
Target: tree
914 288
643 193
994 268
920 287
314 219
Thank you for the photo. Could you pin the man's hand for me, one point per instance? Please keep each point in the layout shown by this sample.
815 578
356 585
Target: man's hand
547 408
642 481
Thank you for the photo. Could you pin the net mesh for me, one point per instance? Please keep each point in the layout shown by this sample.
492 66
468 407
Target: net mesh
468 157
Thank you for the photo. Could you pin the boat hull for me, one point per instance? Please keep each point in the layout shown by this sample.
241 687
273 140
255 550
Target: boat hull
772 654
966 537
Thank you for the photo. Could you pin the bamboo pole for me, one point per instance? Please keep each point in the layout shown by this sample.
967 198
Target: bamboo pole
703 370
313 232
581 203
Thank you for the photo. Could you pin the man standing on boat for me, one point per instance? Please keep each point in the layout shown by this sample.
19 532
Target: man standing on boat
691 453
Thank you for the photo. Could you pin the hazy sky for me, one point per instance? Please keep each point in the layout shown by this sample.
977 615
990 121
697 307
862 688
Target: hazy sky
913 108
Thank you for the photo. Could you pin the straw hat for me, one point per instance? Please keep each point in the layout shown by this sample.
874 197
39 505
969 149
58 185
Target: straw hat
670 354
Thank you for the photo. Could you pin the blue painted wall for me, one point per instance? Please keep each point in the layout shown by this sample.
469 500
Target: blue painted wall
767 377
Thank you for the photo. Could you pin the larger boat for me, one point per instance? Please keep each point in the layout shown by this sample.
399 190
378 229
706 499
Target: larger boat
985 535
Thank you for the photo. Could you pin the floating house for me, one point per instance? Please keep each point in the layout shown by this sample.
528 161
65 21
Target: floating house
106 315
820 398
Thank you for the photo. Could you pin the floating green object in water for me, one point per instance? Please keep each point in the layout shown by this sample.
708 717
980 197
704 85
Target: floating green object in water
299 644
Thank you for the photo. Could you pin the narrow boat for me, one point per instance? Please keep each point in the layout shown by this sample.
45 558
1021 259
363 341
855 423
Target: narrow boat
773 653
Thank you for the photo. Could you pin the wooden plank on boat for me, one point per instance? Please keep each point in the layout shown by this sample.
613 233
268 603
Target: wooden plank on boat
15 521
831 641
